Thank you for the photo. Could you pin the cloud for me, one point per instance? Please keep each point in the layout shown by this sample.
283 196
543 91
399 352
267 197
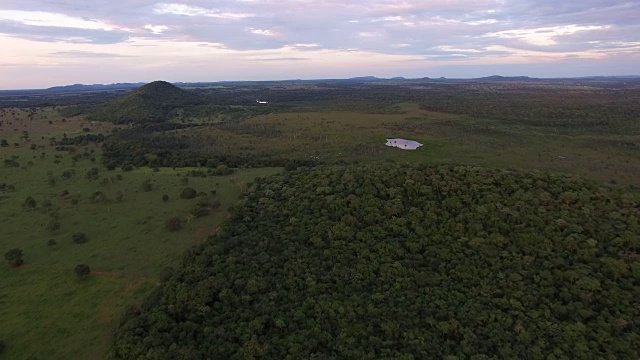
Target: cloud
156 29
186 10
262 32
402 36
543 36
366 34
86 54
482 22
280 59
40 18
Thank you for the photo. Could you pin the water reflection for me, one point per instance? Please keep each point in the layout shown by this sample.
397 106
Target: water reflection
403 144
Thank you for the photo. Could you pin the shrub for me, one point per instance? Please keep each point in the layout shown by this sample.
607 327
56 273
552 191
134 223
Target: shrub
173 223
166 273
188 193
147 186
51 243
79 238
53 225
82 270
14 257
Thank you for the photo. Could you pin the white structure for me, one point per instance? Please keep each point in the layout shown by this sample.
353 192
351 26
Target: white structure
403 144
262 102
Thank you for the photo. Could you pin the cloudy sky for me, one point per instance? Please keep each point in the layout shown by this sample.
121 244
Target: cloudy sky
56 42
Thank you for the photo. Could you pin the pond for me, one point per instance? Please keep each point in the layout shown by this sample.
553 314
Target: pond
403 144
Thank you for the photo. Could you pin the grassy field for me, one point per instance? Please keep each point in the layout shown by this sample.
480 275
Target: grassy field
350 136
46 311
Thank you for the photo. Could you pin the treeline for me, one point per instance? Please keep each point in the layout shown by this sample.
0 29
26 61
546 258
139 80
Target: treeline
405 262
597 110
157 145
80 140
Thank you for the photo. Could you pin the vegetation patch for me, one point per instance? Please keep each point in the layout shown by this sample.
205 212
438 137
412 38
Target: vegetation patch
406 261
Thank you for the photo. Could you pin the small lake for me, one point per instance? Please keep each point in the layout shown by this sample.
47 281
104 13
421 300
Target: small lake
403 144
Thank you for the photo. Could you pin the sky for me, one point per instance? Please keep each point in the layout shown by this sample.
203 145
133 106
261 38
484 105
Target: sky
46 43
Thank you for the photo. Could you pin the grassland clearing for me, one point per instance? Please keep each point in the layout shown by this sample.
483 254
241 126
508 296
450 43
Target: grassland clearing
47 312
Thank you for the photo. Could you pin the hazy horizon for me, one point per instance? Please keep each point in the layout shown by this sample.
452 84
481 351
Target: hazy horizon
320 79
103 42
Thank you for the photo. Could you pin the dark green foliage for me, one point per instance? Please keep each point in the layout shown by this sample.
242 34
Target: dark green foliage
148 104
81 140
199 212
53 225
99 197
93 174
30 202
167 273
79 238
147 186
290 166
222 170
14 257
165 197
82 271
406 261
68 174
173 223
51 243
188 193
11 163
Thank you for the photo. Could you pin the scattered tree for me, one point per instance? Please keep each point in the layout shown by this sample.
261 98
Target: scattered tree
188 193
30 203
173 223
53 225
147 186
14 257
82 271
79 238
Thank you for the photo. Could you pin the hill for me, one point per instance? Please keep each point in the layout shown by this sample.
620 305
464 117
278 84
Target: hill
93 87
152 102
406 262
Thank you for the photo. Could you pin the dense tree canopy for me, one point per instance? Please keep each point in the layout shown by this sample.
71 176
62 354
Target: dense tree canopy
406 262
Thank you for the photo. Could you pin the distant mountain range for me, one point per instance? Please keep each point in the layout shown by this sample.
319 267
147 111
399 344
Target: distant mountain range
360 79
83 87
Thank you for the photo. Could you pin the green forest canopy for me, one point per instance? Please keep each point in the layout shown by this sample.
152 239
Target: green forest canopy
406 262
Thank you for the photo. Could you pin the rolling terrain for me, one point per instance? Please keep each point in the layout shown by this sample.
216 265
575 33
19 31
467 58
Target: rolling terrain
532 183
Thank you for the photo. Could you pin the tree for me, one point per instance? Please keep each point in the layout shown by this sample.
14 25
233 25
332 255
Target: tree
173 223
53 225
82 271
291 166
14 257
30 203
2 346
165 197
147 186
51 243
188 193
79 238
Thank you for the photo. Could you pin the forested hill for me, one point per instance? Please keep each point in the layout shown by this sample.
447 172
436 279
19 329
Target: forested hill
150 103
406 262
